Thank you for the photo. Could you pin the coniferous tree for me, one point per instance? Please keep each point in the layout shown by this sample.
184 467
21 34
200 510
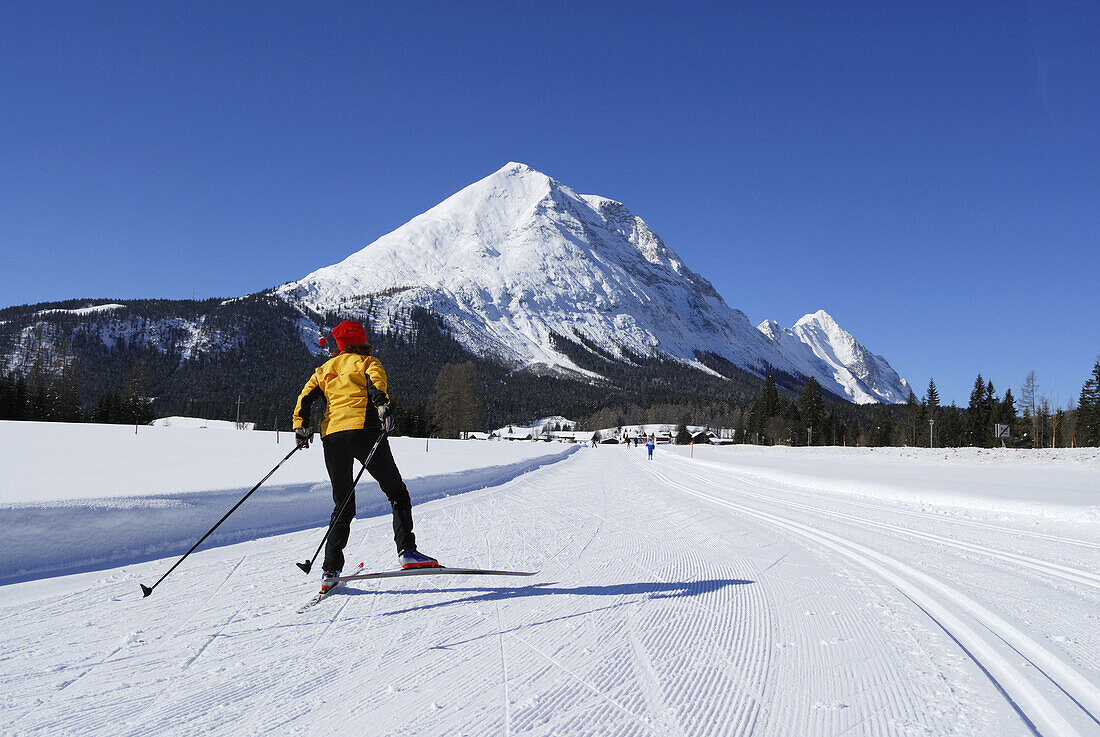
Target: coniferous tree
976 417
764 409
22 399
1005 413
931 405
38 400
989 407
741 433
683 435
416 422
137 407
912 415
855 432
811 410
949 428
921 436
8 408
108 408
883 432
932 396
64 397
1088 409
787 426
838 430
769 398
754 429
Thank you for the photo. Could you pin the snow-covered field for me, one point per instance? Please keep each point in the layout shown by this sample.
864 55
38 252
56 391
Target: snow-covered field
82 497
741 591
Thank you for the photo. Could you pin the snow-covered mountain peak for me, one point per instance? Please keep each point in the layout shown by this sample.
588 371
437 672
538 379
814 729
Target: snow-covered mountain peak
826 351
770 328
516 257
516 261
820 318
819 328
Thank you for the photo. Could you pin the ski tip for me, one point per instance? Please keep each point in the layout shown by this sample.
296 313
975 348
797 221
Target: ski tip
145 590
305 566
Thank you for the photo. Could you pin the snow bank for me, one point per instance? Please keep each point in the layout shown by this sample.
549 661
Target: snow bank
202 424
84 497
1051 483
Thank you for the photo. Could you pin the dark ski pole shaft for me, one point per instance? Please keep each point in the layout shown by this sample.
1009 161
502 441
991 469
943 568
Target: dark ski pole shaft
149 589
306 566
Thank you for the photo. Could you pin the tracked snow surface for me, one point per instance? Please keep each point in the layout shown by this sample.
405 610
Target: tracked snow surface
516 257
710 591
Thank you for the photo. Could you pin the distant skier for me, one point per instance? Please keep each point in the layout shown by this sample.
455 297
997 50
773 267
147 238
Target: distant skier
649 445
353 385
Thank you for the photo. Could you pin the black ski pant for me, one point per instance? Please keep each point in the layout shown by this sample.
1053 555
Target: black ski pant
342 449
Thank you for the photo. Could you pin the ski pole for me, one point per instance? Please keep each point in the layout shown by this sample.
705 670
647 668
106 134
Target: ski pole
306 566
149 589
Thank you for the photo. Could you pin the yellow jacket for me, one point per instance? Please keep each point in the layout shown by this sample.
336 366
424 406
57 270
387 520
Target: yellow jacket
352 386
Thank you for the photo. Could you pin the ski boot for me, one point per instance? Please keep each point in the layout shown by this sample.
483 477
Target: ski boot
413 559
327 581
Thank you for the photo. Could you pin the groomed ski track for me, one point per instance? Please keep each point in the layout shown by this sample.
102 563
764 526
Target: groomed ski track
676 597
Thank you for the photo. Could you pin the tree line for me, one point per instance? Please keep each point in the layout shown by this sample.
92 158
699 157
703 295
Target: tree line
1031 422
457 403
58 399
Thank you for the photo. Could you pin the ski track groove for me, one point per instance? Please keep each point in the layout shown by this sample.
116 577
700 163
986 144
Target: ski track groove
971 523
723 678
725 623
274 687
874 684
791 487
1048 572
107 658
500 637
1010 679
206 602
1073 575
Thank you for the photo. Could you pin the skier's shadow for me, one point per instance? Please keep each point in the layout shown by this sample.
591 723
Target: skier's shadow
477 594
648 589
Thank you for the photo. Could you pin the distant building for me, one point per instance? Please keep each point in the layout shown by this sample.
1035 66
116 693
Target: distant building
703 437
546 428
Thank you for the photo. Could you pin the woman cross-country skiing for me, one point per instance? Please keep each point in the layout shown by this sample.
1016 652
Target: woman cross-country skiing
357 412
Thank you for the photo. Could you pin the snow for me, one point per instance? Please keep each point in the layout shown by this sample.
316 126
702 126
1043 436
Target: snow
200 423
121 493
513 258
948 481
819 347
710 591
90 310
187 335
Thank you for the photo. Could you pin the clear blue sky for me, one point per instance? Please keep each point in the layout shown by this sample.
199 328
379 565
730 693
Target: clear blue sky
929 173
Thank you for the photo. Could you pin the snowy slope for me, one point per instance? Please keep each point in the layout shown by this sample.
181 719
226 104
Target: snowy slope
682 596
187 335
516 256
819 347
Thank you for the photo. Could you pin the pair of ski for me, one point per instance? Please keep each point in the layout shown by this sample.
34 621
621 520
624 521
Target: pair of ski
358 575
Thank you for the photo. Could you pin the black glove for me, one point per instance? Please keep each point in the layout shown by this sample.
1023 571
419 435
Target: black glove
303 435
385 416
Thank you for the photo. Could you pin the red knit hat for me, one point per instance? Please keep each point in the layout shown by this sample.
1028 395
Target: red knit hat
349 332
